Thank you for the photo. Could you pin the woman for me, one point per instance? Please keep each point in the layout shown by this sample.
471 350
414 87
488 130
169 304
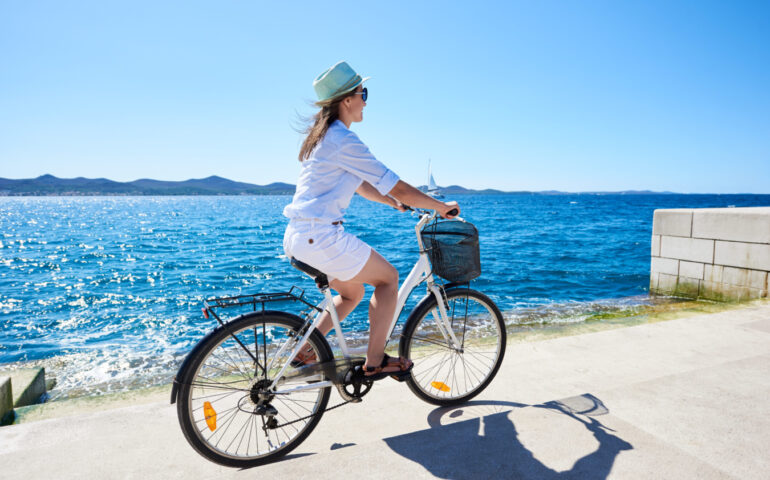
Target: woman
335 165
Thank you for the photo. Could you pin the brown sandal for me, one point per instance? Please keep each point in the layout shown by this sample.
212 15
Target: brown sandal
403 365
304 357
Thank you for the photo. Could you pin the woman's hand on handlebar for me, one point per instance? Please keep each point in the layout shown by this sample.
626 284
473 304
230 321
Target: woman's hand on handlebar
449 210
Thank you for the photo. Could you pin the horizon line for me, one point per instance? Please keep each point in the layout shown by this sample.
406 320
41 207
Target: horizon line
470 190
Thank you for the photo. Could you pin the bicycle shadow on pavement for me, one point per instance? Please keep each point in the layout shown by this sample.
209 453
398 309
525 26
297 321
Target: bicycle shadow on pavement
489 445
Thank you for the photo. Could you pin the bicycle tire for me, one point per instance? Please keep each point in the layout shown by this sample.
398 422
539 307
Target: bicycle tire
221 374
442 375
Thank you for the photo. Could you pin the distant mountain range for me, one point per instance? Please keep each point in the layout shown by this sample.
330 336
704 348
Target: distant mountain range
50 185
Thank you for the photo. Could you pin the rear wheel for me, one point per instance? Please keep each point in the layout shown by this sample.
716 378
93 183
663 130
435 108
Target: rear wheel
444 375
225 407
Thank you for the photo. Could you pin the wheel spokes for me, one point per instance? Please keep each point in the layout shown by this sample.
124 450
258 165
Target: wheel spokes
227 382
443 372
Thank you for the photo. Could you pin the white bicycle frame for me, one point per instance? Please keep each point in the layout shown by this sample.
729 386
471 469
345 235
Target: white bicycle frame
421 272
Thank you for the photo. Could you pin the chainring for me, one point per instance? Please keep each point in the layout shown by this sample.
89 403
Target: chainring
354 385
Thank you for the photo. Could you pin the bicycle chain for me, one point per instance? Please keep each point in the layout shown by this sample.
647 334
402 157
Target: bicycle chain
311 415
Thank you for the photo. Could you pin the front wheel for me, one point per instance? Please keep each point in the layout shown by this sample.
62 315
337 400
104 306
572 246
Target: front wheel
445 375
225 407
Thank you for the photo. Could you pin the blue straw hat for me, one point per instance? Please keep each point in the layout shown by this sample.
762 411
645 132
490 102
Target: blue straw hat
336 81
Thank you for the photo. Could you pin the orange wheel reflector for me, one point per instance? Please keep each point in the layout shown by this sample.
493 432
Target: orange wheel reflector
211 416
205 313
440 386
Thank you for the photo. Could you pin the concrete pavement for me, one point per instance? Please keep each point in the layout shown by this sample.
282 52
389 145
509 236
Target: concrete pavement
683 398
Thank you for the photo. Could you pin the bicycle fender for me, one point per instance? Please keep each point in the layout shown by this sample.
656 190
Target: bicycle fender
423 304
183 368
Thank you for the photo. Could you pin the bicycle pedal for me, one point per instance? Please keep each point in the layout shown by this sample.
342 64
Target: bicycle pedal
401 377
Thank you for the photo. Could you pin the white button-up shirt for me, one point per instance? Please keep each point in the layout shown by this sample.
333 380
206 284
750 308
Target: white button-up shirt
330 176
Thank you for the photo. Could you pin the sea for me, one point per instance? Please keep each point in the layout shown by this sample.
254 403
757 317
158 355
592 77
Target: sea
106 292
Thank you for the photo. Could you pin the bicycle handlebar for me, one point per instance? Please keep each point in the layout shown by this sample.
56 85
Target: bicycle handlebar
453 213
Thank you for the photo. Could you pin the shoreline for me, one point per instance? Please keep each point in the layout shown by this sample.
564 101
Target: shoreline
671 309
75 377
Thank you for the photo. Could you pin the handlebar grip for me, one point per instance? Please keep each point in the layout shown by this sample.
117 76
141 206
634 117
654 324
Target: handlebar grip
453 213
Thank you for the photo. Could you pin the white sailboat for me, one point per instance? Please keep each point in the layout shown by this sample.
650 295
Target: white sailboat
432 187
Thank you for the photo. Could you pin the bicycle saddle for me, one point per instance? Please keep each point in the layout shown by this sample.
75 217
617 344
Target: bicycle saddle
320 278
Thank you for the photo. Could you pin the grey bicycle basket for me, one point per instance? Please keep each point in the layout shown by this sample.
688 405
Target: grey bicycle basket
453 249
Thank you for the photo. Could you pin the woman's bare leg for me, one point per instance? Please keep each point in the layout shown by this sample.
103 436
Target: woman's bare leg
379 273
350 295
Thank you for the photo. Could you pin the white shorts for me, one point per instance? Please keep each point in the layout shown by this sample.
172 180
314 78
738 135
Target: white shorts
328 248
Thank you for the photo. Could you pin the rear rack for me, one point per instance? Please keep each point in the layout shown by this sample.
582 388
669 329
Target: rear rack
295 294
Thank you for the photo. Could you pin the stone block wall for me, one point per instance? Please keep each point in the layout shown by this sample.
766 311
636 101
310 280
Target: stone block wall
28 386
6 401
714 253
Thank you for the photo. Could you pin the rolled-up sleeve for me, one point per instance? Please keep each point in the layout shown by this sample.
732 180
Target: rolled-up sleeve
355 157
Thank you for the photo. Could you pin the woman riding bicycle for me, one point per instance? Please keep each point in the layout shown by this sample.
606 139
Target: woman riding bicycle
335 165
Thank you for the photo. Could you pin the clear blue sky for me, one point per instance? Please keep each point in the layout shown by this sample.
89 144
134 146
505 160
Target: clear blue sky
572 95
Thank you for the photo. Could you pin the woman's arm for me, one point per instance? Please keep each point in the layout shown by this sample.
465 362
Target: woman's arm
367 191
407 194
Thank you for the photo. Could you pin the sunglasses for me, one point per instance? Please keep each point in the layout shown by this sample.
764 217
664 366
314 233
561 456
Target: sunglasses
364 94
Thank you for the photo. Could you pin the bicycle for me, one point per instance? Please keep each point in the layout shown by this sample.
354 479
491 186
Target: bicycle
243 399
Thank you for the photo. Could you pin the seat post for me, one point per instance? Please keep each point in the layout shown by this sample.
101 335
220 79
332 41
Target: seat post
329 305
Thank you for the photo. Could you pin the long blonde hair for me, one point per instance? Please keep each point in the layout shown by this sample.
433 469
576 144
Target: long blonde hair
320 124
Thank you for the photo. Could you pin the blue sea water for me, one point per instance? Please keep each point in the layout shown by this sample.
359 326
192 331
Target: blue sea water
106 292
